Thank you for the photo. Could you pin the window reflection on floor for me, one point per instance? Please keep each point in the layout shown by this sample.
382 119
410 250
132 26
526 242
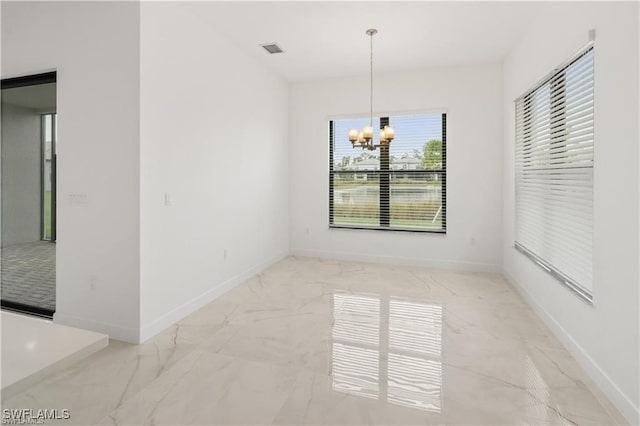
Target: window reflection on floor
415 348
355 370
541 405
356 319
356 336
388 349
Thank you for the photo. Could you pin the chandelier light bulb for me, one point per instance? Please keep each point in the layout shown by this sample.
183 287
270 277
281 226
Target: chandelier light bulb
368 132
389 133
383 137
353 135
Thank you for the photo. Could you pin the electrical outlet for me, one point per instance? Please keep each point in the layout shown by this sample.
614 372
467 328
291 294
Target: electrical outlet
167 199
225 254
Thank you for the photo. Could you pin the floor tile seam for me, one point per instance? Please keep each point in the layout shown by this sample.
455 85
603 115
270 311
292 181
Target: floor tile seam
526 389
130 398
125 396
297 369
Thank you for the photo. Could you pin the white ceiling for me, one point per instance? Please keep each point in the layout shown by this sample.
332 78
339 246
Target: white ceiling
327 39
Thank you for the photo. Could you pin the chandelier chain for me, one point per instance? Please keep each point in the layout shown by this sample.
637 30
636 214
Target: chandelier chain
371 80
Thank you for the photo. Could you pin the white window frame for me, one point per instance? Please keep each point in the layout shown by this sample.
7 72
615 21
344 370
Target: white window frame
440 175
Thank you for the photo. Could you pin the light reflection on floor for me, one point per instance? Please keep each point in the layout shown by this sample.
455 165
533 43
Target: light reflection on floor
33 348
388 349
542 405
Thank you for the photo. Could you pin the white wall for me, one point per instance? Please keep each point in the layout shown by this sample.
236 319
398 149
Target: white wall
472 98
214 138
94 47
603 337
20 175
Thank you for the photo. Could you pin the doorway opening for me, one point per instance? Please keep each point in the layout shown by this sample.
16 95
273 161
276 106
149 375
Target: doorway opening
28 194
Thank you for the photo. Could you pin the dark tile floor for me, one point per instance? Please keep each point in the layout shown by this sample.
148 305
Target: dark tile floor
29 274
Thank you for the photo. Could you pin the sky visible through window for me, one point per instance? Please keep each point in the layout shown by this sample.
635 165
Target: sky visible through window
412 132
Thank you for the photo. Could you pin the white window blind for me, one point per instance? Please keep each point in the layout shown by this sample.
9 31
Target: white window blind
554 173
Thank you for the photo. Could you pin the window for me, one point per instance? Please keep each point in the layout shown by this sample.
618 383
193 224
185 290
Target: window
48 134
554 173
399 187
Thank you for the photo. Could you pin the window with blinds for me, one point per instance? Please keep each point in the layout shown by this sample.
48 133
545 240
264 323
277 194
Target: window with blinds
399 187
554 173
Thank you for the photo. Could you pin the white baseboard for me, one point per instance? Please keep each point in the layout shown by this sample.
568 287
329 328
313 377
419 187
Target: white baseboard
156 326
116 332
397 260
619 399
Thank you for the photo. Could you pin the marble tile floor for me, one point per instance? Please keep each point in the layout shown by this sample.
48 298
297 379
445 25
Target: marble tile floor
312 341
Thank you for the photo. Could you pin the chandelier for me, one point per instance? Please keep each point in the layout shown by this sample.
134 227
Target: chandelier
364 138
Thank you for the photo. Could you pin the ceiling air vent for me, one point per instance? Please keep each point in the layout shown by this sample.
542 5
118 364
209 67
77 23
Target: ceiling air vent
272 48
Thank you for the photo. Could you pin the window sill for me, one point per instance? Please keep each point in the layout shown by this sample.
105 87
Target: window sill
582 293
376 228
